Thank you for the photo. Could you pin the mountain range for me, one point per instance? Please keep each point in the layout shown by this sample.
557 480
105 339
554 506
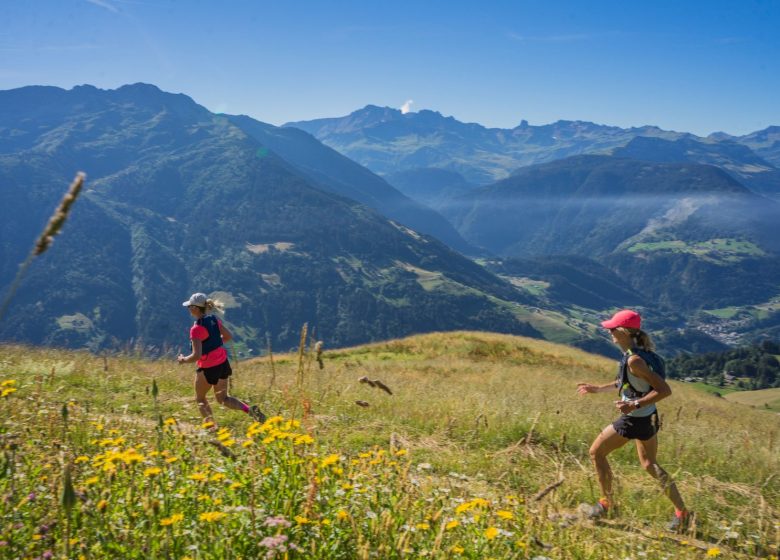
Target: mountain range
693 226
389 142
359 226
687 236
180 200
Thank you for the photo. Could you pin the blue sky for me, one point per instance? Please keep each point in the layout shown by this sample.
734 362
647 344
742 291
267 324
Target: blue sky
698 66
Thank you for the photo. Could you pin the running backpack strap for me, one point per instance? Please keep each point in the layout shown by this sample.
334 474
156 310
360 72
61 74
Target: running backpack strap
214 340
654 362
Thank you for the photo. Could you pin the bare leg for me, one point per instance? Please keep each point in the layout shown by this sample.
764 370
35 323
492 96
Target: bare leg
647 451
202 387
223 398
606 442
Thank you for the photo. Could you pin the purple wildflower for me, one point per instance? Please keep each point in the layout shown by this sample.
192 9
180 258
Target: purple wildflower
278 521
274 542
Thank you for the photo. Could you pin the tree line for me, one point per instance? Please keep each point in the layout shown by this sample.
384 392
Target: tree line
749 367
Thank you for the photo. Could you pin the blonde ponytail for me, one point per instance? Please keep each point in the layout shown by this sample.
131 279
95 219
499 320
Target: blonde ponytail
215 306
640 338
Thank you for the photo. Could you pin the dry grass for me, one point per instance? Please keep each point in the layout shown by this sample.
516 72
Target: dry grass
481 415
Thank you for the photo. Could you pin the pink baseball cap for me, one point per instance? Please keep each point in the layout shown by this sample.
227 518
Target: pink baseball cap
626 318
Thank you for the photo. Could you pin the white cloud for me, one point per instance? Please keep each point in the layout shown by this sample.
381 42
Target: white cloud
406 107
105 4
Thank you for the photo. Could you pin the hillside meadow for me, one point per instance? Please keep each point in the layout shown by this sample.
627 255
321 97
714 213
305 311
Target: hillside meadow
481 451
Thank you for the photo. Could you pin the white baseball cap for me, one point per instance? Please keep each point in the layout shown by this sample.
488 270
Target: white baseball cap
198 299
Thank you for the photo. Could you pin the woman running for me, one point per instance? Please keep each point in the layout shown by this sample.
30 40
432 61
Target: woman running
641 384
207 336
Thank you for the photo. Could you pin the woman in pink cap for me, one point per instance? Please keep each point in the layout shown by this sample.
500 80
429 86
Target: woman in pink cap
641 383
207 336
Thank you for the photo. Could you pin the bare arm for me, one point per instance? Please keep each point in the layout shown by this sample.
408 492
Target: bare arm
585 388
197 350
226 334
659 387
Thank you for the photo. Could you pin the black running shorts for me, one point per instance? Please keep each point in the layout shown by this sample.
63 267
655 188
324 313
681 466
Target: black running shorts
635 427
214 374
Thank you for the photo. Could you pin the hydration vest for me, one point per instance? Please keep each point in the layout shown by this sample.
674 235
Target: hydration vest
214 340
653 361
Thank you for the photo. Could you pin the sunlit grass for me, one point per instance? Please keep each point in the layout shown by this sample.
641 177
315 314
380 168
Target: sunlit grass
447 466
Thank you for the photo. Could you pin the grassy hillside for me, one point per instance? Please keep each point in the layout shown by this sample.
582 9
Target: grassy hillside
765 398
448 466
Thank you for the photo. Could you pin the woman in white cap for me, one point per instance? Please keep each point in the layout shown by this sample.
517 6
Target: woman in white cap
641 383
207 336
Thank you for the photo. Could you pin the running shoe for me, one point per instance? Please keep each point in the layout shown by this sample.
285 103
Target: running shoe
257 414
679 523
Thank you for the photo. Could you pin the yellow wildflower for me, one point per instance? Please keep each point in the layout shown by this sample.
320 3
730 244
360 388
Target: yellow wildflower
8 382
172 520
304 439
423 526
235 486
170 460
211 516
401 452
81 459
301 520
464 507
330 459
457 549
341 514
199 477
713 552
152 471
491 533
216 477
7 391
131 457
207 425
503 514
267 470
204 498
91 481
102 505
247 443
170 421
452 524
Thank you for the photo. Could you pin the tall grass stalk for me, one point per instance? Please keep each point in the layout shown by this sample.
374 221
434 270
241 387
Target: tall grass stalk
46 238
